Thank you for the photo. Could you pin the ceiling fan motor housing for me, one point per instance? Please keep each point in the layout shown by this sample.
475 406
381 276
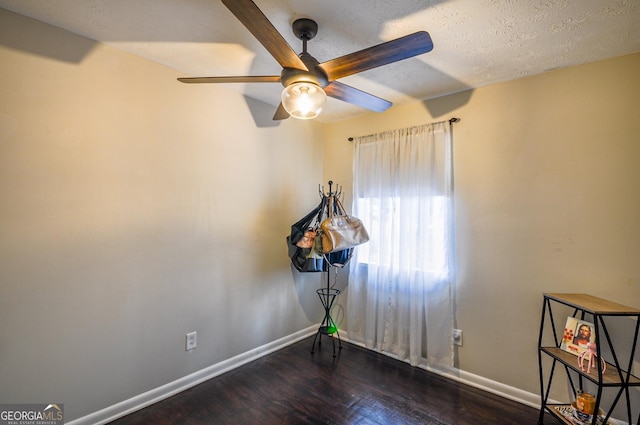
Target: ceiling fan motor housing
314 75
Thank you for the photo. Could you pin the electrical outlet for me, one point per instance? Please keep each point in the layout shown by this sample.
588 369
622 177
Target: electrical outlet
457 337
191 341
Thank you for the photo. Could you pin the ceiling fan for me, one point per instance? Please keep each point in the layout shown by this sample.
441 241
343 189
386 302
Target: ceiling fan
306 80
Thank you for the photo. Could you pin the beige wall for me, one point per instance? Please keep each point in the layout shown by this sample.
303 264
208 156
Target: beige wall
135 209
547 187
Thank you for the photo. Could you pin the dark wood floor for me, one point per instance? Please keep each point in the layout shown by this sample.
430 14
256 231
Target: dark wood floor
293 386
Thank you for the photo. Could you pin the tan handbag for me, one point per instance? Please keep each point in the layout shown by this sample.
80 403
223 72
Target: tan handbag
341 231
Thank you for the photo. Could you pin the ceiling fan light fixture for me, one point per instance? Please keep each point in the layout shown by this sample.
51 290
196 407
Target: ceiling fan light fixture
303 77
303 100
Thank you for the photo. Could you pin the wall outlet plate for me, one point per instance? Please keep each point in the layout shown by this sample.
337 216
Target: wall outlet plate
191 341
457 337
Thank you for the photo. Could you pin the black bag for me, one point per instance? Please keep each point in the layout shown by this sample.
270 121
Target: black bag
302 225
306 259
339 258
302 259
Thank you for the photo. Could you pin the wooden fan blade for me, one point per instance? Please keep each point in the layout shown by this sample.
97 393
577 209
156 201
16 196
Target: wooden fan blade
281 113
263 30
248 79
357 97
379 55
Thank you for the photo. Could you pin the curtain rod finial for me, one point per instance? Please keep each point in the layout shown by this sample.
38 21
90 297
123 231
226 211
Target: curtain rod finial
454 119
350 139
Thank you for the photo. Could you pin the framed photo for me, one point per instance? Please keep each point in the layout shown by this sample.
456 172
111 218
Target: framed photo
577 334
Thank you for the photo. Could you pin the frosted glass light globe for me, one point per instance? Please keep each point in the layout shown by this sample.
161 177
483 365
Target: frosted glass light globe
303 100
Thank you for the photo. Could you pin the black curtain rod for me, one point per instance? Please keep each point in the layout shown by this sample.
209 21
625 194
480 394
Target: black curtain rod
451 122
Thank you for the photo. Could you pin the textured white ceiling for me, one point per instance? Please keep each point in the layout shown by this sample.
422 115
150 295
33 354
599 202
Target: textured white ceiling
476 42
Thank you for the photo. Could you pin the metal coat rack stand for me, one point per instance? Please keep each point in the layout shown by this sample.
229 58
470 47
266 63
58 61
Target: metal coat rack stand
328 326
328 296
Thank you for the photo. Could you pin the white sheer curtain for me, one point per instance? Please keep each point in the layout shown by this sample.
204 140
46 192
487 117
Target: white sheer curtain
400 281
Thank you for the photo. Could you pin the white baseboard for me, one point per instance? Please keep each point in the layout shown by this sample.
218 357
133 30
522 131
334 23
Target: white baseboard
476 381
141 401
148 398
490 386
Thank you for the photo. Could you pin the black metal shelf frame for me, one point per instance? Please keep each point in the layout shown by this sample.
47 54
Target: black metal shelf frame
615 375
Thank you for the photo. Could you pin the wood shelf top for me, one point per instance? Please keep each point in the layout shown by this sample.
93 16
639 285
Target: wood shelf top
593 305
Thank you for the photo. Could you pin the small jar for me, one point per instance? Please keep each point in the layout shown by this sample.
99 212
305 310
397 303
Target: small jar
586 403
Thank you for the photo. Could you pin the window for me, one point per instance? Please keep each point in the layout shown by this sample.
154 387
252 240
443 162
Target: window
426 239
